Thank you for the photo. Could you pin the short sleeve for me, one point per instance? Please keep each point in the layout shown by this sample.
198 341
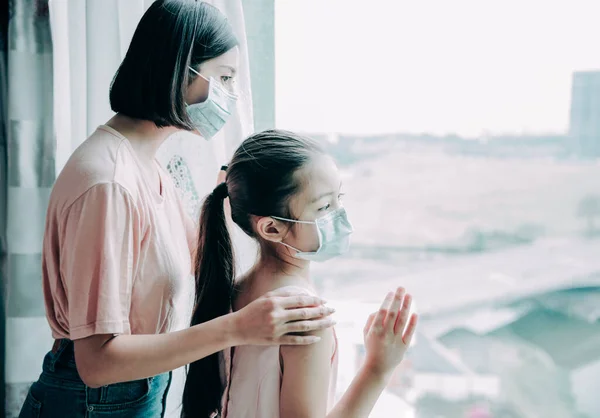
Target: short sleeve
99 255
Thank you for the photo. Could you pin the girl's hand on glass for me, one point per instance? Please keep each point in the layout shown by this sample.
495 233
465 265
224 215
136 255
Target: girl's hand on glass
388 333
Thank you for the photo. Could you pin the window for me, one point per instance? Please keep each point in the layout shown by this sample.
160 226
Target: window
472 179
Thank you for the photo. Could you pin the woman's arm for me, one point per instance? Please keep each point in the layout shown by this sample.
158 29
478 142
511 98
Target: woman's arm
104 359
306 369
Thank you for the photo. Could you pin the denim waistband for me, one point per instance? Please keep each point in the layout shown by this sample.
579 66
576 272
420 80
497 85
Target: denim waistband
63 355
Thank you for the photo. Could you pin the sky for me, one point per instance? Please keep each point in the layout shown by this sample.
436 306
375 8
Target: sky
467 67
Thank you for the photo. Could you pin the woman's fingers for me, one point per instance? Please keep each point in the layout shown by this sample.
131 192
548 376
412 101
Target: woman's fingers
283 291
308 326
300 314
298 339
291 297
394 309
299 301
410 329
403 315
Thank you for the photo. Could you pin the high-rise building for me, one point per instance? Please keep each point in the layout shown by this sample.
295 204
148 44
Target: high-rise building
584 129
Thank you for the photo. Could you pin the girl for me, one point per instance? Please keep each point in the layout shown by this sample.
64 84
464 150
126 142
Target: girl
284 191
118 246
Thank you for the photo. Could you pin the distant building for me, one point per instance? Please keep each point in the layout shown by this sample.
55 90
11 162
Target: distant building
584 129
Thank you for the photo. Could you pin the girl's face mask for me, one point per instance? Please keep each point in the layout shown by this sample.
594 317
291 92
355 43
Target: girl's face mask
333 229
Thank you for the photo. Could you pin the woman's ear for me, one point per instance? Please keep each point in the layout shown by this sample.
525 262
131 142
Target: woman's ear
197 91
270 229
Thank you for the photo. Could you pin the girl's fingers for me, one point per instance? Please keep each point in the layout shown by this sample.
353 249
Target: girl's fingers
394 309
369 323
383 311
403 315
410 329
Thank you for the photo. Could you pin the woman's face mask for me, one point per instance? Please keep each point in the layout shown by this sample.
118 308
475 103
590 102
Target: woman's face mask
210 116
333 229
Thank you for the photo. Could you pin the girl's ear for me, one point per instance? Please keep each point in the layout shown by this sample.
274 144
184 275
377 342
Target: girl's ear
271 229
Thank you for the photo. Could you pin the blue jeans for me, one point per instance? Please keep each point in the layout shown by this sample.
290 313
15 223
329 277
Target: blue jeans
60 393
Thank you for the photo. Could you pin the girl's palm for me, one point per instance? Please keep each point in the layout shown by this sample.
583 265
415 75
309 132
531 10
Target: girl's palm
388 333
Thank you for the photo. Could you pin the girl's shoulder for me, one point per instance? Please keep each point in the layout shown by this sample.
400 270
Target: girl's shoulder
297 283
249 288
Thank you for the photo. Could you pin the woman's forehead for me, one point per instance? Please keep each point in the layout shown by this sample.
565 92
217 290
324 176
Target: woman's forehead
225 62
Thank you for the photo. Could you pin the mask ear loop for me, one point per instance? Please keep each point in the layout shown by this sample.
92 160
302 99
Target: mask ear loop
300 222
293 220
207 81
198 74
221 87
288 220
289 246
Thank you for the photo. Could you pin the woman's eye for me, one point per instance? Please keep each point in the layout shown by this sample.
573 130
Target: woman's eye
327 206
226 79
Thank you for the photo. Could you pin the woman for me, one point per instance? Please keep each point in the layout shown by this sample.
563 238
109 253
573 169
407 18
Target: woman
117 244
285 192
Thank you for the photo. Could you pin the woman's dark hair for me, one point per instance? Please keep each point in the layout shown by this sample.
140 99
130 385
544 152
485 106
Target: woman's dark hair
172 35
261 179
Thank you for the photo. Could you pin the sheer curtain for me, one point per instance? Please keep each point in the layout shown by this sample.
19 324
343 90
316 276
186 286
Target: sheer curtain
63 55
27 176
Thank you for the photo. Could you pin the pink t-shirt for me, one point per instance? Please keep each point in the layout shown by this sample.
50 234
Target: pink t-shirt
116 252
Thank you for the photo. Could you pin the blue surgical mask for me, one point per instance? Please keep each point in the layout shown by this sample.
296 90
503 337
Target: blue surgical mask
211 115
333 229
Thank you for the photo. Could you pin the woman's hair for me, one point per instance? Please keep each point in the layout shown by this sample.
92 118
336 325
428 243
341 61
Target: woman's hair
172 35
261 179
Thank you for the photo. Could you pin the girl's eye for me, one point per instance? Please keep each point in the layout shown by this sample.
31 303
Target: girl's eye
327 206
226 79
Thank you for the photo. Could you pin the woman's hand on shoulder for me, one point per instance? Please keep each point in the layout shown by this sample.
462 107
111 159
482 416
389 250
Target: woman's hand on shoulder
271 319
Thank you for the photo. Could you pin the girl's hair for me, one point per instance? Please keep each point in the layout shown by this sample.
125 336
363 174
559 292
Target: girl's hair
172 36
260 181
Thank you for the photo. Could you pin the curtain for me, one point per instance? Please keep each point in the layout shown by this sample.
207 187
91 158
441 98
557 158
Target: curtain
30 172
3 187
62 55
